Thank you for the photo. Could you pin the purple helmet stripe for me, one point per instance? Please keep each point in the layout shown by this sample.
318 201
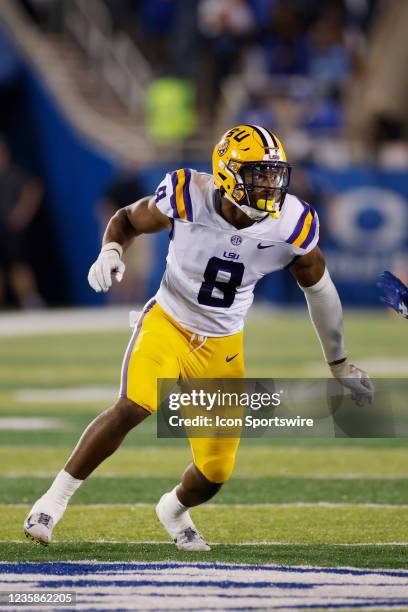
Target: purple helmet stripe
299 224
311 234
186 195
260 134
272 135
174 181
125 366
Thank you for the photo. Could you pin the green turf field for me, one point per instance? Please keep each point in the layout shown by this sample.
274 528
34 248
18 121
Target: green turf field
312 501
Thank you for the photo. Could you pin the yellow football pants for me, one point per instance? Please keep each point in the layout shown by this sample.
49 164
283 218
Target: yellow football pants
161 348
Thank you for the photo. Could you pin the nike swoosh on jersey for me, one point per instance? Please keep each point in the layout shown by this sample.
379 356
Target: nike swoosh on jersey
264 246
228 359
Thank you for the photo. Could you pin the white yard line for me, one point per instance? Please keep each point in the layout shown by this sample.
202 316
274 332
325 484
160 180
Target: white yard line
321 504
298 450
394 367
258 543
64 320
68 320
67 394
25 423
113 475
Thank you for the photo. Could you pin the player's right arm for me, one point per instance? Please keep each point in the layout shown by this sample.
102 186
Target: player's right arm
142 217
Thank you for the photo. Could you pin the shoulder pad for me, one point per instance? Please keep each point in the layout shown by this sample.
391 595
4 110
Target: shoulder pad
172 196
302 225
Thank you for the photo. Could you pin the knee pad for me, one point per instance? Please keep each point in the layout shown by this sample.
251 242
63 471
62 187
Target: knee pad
217 469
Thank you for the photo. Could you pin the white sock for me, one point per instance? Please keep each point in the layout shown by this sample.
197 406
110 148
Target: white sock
174 505
63 488
58 495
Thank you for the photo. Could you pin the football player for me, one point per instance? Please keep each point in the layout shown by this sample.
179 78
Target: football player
395 293
227 230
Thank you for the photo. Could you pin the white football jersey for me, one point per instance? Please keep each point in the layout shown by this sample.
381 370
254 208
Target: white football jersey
212 267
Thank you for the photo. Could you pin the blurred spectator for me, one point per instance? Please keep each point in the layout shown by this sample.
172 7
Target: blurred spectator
199 44
283 41
220 18
123 13
378 99
155 34
46 13
304 52
185 48
360 13
322 114
170 110
257 110
302 184
10 82
125 190
261 11
20 197
329 57
225 26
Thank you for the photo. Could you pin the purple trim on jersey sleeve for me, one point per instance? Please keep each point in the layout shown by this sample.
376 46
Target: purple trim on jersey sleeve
299 224
312 232
186 194
125 367
174 182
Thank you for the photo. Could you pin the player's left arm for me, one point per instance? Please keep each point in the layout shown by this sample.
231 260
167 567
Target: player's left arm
326 313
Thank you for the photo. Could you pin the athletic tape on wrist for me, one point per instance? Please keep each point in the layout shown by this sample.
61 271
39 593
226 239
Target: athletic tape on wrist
113 246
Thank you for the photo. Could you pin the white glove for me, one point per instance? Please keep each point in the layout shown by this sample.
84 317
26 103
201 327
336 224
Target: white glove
108 264
358 381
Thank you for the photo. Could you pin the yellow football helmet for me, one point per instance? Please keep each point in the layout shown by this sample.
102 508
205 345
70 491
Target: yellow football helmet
250 169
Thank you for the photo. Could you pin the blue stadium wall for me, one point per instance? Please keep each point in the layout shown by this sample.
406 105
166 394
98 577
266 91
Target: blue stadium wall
363 211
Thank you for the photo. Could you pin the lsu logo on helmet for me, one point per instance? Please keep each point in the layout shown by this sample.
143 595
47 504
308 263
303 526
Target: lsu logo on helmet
251 170
223 146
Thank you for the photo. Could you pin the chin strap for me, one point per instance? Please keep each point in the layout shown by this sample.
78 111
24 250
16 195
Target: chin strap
252 213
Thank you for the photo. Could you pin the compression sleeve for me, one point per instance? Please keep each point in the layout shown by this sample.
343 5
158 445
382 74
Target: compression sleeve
327 317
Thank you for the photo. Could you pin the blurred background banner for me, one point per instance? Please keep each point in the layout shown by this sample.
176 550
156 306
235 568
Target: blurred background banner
364 227
99 98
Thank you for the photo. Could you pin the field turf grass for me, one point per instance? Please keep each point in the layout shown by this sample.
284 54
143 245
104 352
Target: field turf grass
290 501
